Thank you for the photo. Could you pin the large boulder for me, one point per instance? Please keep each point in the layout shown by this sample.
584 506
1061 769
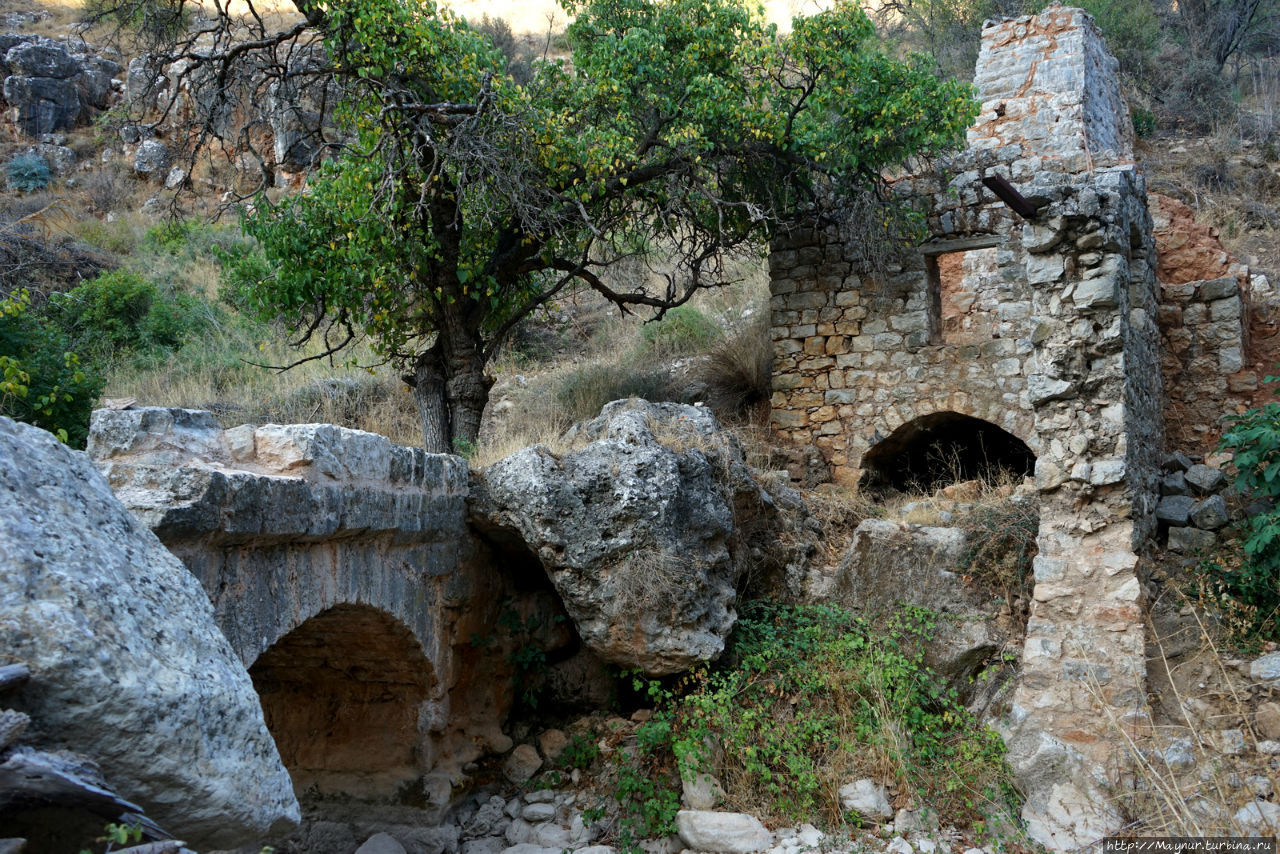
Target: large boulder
128 666
637 526
42 104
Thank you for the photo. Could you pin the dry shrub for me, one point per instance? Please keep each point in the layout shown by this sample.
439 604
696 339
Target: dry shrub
1000 545
1187 779
736 374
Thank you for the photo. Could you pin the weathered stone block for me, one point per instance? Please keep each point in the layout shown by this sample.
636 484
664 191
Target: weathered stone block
1216 289
1175 509
1209 514
1205 479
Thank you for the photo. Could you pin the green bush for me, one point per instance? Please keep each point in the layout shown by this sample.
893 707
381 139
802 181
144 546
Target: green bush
42 382
28 173
1144 123
682 331
807 698
120 313
1251 587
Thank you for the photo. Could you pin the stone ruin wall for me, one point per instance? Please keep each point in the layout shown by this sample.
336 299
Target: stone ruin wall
1045 328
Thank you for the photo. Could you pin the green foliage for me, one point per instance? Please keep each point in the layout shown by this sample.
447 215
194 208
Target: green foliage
810 696
682 330
28 173
448 222
1252 585
1133 32
1144 123
43 382
581 751
121 313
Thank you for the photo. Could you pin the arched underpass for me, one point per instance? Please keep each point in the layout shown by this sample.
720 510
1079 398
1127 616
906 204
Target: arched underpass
341 695
943 448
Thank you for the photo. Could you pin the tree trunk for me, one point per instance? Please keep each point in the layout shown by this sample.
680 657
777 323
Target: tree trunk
450 390
428 396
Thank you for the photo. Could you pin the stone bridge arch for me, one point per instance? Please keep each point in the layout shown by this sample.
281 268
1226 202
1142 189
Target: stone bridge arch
328 551
342 694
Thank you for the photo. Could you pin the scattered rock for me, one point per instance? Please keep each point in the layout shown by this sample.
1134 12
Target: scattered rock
1267 719
1266 668
1174 484
1174 509
1260 818
867 798
538 812
1210 514
151 158
1205 480
96 606
381 843
1180 755
723 832
522 764
551 744
1191 540
700 791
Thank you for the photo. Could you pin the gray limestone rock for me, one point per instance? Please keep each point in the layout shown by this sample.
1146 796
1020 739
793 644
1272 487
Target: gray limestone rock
129 667
1174 484
1209 514
42 104
867 798
1175 509
522 764
41 59
381 843
1191 540
151 158
1205 479
1177 461
633 525
1266 668
724 832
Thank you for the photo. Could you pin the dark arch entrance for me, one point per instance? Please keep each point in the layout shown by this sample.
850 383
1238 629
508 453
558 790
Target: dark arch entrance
937 450
341 695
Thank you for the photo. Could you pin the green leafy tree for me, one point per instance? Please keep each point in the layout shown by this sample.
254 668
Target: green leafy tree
41 381
463 200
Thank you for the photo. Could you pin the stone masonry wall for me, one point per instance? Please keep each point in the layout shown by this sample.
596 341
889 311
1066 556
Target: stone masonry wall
1044 327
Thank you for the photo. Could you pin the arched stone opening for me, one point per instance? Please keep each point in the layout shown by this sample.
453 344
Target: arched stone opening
341 696
936 450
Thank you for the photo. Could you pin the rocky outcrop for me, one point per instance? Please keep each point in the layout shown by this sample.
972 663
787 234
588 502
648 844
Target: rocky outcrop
51 89
129 667
636 527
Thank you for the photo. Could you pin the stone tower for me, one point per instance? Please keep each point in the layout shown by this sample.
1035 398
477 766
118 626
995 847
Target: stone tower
1023 331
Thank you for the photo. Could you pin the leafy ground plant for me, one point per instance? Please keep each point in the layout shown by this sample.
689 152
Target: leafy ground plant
1248 588
809 698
